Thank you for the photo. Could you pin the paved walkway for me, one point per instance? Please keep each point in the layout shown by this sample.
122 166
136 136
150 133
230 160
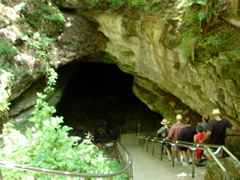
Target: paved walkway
149 167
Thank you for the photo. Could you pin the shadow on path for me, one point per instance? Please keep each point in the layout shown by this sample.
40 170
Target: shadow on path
149 167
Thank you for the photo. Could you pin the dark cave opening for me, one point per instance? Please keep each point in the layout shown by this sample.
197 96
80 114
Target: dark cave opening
98 99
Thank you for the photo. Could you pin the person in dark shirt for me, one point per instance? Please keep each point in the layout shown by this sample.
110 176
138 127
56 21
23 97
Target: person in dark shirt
217 131
187 134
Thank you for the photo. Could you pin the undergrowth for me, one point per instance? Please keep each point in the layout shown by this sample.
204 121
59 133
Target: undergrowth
43 142
44 17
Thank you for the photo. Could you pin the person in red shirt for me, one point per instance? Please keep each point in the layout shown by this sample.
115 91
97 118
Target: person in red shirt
197 138
175 130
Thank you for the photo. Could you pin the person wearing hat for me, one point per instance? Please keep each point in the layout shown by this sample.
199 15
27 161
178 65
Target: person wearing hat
163 131
217 131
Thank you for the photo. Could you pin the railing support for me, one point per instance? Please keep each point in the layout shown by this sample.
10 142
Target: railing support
161 150
193 163
174 148
147 144
153 140
220 165
131 171
139 128
230 154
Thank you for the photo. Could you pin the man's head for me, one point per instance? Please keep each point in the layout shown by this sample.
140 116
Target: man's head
216 114
205 117
188 121
179 117
199 128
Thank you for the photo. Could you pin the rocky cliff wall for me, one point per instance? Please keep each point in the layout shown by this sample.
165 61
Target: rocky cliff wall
164 79
202 88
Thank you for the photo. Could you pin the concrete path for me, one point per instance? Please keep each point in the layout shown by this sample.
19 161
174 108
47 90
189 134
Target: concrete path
149 167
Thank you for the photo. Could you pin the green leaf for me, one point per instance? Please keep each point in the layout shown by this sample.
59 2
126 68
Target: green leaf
201 14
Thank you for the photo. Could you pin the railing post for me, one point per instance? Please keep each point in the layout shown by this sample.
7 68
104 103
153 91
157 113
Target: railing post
131 171
193 163
147 143
153 140
173 153
161 149
139 128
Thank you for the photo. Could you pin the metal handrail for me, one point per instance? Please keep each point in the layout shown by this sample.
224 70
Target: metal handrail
192 146
71 174
233 135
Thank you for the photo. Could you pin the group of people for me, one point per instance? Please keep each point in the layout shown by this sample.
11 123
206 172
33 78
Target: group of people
210 132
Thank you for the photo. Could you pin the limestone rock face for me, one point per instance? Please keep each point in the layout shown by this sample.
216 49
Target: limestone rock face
143 54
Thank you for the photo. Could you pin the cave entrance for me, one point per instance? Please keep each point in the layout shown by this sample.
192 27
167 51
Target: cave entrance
98 98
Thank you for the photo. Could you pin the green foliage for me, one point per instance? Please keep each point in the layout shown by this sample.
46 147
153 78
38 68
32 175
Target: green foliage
186 47
52 78
5 91
7 51
210 40
130 70
138 2
230 66
41 44
116 2
190 32
45 18
219 41
202 14
45 143
230 57
145 6
20 7
94 2
106 60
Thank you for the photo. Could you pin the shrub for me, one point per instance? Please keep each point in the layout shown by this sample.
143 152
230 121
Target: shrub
7 51
45 143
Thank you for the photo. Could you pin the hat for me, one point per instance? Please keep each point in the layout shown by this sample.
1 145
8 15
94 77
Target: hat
179 116
165 122
216 111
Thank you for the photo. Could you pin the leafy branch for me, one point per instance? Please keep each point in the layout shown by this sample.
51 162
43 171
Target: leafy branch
45 143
